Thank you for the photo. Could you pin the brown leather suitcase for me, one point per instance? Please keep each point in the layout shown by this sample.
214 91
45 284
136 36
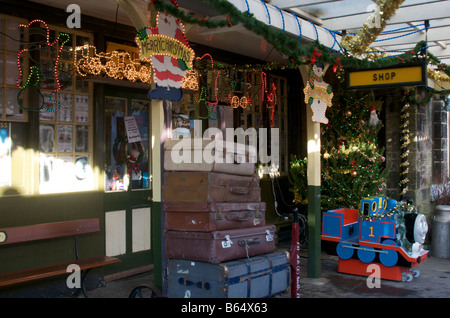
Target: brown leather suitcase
210 187
219 246
208 217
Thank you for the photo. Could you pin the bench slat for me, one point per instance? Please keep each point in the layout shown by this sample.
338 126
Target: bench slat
54 270
35 232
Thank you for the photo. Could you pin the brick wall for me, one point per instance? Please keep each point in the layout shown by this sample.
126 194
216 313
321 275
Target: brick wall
440 143
427 151
392 124
421 155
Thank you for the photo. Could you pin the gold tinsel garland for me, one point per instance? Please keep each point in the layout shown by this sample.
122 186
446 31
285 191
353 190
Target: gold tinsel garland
405 141
437 75
358 44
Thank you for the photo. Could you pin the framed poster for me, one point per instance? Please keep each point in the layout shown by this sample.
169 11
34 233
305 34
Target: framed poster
82 138
81 108
66 111
64 138
47 138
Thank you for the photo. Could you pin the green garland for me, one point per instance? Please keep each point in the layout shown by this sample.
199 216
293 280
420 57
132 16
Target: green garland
401 210
298 53
376 216
435 61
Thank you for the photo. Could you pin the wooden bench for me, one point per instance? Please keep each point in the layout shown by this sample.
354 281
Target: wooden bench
37 232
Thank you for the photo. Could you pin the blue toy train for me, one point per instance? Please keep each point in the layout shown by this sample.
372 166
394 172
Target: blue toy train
378 233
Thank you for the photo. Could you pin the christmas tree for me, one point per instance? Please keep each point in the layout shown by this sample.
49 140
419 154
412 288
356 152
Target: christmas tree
352 163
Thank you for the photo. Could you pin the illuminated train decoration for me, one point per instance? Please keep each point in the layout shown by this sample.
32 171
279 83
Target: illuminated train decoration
372 236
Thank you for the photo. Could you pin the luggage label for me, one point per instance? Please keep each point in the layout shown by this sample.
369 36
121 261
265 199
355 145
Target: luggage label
227 242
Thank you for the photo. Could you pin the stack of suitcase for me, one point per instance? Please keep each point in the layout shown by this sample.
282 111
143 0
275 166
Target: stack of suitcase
216 239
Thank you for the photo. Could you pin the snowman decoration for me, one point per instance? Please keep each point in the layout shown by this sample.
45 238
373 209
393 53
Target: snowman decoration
318 94
168 70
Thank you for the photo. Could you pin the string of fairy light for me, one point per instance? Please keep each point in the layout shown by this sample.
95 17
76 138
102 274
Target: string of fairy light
33 78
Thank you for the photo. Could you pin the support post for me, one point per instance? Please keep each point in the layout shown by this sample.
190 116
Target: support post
314 212
314 172
157 117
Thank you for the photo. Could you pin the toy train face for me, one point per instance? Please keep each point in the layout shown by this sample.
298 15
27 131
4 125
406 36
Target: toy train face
372 234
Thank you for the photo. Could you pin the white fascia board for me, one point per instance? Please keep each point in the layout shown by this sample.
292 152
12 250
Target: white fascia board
291 22
285 4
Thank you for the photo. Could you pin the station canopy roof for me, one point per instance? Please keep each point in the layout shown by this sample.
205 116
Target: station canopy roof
325 21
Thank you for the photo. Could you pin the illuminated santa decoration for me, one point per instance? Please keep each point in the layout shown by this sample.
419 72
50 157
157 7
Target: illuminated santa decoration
169 52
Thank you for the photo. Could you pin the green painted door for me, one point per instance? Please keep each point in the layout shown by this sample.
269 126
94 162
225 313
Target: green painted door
127 177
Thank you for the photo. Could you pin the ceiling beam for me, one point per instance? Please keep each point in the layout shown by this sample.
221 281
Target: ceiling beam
306 15
414 13
287 4
442 44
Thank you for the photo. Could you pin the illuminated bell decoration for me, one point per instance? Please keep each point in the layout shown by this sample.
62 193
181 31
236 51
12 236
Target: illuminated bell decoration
235 100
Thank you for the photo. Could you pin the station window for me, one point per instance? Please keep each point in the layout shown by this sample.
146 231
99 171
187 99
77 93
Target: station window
11 43
13 153
127 139
66 128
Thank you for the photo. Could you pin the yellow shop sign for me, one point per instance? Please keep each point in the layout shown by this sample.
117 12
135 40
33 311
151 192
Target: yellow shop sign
403 75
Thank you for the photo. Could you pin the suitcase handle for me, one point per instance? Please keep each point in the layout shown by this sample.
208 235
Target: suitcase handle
234 217
239 190
203 284
249 242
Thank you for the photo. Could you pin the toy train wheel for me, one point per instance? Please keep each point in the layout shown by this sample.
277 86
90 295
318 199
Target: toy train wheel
415 273
344 250
407 277
388 257
366 254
